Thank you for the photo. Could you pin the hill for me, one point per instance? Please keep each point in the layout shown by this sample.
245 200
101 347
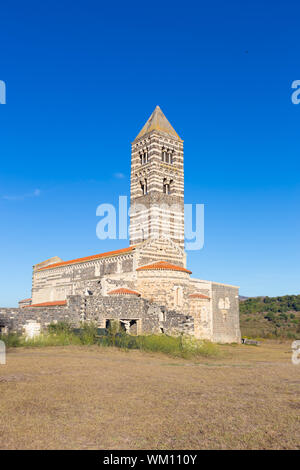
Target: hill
271 317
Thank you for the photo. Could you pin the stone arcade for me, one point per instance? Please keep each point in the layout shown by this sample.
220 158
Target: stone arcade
146 286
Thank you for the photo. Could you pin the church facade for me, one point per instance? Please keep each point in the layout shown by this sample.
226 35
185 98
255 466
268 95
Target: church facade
146 286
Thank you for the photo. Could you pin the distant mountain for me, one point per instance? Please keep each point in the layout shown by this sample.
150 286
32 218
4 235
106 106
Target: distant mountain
242 297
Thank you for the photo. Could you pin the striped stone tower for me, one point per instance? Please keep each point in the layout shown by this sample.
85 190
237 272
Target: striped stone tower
157 182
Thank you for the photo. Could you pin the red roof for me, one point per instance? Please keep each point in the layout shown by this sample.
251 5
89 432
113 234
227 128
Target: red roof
49 304
199 296
25 300
163 265
123 290
89 258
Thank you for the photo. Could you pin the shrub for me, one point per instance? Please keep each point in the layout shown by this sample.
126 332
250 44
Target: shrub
48 339
60 327
11 340
113 330
88 333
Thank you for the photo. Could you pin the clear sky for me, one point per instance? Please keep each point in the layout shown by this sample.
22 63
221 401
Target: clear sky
82 78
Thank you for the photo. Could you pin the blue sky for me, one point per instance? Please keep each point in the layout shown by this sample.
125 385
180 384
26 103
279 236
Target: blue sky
83 77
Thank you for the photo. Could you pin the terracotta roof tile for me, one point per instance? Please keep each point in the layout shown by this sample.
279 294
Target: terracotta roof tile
89 258
163 265
123 290
49 304
25 300
199 296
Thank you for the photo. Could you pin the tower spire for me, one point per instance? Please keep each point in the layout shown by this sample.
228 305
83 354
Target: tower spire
158 121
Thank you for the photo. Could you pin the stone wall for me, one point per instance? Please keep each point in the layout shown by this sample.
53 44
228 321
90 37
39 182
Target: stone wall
159 309
57 283
169 288
225 311
14 319
200 309
150 317
159 250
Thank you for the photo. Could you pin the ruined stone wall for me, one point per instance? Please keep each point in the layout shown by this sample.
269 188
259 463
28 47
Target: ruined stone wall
151 317
225 311
14 319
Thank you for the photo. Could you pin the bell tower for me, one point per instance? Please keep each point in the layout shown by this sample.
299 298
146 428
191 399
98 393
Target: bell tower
157 182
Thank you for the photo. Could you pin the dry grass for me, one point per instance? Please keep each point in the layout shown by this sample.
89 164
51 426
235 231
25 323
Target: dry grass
100 398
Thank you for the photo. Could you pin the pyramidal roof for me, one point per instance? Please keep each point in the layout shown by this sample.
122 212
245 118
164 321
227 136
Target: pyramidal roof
158 121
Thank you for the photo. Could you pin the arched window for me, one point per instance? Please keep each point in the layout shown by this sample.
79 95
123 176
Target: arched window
161 316
178 296
167 156
167 185
144 186
144 157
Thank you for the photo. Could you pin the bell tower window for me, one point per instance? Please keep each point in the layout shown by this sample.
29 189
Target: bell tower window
166 187
144 187
166 156
144 157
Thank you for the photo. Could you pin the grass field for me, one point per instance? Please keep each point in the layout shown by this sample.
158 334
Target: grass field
88 397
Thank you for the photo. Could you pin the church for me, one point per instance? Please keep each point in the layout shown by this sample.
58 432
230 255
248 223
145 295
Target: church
147 286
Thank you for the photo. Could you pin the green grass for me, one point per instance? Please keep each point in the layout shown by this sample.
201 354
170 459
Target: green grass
182 346
176 346
43 340
63 335
59 334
